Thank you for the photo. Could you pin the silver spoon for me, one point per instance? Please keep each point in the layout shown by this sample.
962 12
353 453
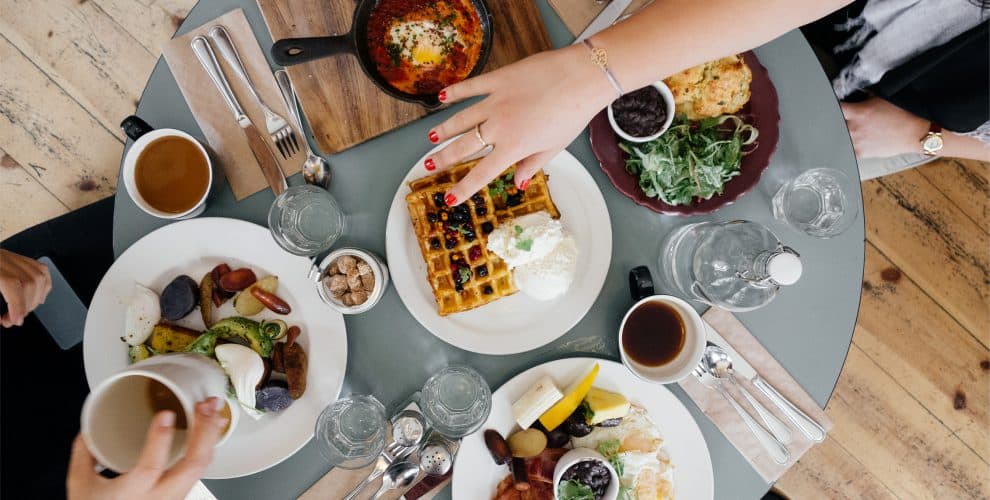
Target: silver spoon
773 424
716 365
316 170
397 476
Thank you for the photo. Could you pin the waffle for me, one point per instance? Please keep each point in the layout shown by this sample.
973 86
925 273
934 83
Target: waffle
462 272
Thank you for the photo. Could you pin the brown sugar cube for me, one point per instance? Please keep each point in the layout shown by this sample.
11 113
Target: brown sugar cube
332 268
348 299
345 263
354 280
337 285
363 268
359 297
368 280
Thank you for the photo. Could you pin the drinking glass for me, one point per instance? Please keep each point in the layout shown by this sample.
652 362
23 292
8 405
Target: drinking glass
456 401
305 220
817 202
351 431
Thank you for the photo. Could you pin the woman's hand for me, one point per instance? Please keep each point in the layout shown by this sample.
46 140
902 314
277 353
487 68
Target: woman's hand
534 108
24 284
150 479
880 129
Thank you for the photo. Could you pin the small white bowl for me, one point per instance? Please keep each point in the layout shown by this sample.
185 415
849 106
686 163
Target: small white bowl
378 269
668 101
582 455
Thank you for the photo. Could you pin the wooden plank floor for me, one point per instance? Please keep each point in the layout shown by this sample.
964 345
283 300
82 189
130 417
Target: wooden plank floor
911 407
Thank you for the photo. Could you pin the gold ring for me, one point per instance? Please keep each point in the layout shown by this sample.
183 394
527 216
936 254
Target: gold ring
477 133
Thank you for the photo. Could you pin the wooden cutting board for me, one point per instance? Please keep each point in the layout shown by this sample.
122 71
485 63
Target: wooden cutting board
342 105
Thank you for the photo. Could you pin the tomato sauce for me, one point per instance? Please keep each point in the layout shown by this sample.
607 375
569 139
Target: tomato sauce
421 46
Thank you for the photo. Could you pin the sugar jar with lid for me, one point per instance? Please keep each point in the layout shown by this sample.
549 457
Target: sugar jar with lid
736 265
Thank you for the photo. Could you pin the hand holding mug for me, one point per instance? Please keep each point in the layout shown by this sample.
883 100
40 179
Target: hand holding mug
151 478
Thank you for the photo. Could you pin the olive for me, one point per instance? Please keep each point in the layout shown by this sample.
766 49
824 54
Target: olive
612 422
557 438
576 425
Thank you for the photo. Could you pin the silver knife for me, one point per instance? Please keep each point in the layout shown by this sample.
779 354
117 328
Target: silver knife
743 369
604 19
259 147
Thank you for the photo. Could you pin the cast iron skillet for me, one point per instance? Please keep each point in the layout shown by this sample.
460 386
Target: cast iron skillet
291 51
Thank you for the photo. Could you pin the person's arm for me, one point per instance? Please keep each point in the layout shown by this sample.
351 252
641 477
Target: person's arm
536 107
880 129
24 284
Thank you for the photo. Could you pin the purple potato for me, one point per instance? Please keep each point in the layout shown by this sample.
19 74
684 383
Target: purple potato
179 298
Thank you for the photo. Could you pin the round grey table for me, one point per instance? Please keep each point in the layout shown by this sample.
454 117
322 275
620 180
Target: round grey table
808 328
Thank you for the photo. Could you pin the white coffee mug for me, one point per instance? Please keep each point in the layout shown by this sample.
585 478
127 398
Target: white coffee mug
641 286
118 412
143 135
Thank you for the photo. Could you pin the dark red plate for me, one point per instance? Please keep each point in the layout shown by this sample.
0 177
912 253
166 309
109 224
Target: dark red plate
761 111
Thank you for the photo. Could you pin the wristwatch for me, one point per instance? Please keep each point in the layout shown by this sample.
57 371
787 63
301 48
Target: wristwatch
932 142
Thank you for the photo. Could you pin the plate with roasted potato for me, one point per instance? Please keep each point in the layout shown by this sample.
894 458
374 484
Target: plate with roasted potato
222 288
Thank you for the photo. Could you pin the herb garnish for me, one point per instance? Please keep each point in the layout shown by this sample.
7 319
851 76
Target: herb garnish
573 489
610 450
465 275
526 244
498 187
690 160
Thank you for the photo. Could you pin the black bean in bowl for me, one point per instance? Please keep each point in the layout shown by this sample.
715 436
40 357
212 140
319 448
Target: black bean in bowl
640 113
592 473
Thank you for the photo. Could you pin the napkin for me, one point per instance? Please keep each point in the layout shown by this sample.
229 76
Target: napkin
228 145
339 482
200 492
728 421
578 14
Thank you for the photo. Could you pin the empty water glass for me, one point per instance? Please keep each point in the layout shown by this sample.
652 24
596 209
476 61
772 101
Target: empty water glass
305 220
351 432
456 401
817 202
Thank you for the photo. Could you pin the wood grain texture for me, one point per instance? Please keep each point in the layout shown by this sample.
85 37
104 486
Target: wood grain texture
24 199
343 107
930 239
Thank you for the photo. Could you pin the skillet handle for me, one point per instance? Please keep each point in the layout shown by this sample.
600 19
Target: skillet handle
293 51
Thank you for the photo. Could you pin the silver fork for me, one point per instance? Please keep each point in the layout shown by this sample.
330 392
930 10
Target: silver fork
280 131
778 452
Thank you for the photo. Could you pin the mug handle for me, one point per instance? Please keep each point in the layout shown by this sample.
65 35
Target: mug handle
640 283
135 127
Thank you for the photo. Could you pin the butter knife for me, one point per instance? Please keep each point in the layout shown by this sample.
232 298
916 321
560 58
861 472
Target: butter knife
259 147
604 19
743 369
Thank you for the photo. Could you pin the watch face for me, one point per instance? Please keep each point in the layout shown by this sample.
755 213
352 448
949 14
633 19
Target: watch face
932 143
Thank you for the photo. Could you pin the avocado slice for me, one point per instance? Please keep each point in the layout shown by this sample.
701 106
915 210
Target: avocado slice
138 352
246 330
204 344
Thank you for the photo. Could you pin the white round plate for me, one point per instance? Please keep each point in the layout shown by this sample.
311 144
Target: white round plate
193 247
476 475
515 323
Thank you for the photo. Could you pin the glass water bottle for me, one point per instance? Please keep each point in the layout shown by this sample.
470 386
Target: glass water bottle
736 265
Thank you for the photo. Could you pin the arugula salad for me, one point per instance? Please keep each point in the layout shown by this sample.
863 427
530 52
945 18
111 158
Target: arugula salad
691 160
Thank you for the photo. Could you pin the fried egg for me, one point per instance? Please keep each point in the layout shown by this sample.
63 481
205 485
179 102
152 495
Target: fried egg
422 42
647 471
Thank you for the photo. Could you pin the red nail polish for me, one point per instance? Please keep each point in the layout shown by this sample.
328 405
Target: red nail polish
430 165
450 199
524 184
434 138
442 96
